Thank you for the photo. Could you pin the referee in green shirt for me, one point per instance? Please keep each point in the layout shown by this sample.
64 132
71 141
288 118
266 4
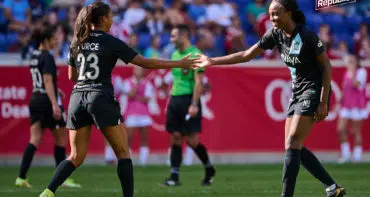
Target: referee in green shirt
184 109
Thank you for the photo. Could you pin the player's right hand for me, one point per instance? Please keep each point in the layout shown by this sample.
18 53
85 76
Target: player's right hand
203 61
188 62
57 112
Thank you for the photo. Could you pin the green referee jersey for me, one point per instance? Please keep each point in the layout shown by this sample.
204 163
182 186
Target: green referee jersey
183 79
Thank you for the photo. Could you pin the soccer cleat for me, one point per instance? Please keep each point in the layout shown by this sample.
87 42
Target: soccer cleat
171 183
208 179
71 183
19 182
47 193
335 191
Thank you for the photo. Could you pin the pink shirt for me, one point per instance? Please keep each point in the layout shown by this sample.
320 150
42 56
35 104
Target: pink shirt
134 105
354 97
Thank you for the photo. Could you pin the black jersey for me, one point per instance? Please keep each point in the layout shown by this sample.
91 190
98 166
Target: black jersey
96 60
299 53
42 62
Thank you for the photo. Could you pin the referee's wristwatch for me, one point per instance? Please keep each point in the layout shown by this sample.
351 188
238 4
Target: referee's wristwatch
194 103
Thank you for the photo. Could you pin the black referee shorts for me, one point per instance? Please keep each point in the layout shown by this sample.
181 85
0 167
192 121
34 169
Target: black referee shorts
93 107
176 113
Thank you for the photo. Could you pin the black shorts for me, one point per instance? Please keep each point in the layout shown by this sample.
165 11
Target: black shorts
41 110
306 104
88 107
176 113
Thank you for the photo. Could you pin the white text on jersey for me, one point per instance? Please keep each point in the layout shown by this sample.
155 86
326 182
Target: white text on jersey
90 46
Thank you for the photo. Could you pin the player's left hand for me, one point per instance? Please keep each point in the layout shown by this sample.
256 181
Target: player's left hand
193 110
321 112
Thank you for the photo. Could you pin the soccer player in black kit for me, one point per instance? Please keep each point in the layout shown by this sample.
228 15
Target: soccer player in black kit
93 55
310 70
44 108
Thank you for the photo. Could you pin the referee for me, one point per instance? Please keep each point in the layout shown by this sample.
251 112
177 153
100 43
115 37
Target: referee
184 109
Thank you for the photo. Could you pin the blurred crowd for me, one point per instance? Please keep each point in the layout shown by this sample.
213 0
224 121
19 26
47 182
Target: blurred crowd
218 26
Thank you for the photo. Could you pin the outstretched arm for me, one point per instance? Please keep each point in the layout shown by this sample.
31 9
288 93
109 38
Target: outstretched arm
235 58
162 64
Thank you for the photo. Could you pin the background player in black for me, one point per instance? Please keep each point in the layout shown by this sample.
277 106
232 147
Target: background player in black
44 109
310 69
93 55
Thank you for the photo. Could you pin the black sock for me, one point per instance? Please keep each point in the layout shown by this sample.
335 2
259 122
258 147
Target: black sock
290 171
202 154
313 165
126 176
176 159
59 154
62 172
28 154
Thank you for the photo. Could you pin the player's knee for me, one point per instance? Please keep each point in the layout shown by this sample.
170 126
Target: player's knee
192 142
342 131
122 152
77 159
60 141
293 143
35 140
176 138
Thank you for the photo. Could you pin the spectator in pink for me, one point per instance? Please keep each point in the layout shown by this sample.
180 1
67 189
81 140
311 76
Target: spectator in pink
353 109
139 91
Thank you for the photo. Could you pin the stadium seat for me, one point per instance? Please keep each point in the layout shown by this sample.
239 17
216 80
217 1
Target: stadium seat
165 39
336 22
247 27
353 22
314 21
252 39
144 40
12 38
3 43
306 6
346 37
62 14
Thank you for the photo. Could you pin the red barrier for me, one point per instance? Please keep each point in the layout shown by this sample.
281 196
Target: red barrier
243 112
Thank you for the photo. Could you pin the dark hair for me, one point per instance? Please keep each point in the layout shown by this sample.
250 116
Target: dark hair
88 15
183 29
38 36
292 6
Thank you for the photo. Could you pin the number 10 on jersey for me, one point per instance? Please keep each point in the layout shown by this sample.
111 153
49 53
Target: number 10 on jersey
92 61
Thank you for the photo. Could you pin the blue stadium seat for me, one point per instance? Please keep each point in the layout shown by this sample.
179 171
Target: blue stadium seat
247 27
346 37
252 39
306 6
165 39
144 40
353 22
12 38
314 21
3 43
219 42
62 14
336 22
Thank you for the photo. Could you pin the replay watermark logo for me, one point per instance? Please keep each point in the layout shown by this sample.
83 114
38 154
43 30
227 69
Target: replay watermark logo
320 4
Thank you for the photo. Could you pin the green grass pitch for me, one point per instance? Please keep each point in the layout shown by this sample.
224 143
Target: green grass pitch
230 181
